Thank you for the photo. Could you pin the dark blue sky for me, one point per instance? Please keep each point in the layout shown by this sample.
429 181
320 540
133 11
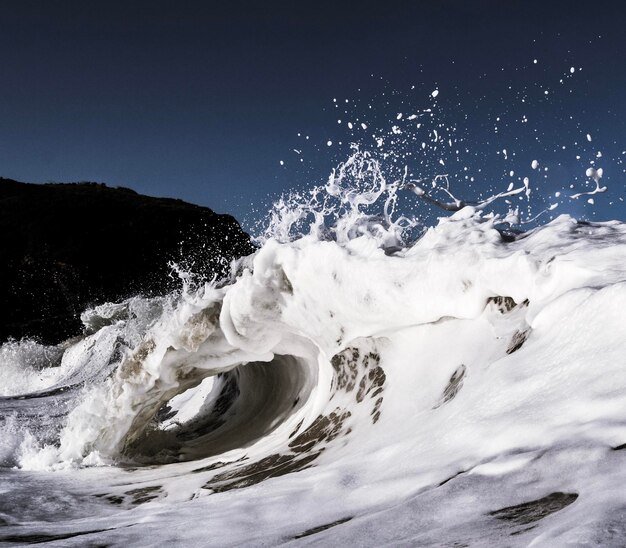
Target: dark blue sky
201 100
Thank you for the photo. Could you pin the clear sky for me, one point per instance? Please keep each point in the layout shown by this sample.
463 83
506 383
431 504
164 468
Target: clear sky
203 100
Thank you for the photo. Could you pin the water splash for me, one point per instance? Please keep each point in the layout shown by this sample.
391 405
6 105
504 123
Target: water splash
370 195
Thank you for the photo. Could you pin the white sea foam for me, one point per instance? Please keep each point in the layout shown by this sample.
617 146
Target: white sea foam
361 379
28 366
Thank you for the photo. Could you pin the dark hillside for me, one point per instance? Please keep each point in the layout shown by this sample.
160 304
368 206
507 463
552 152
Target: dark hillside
64 247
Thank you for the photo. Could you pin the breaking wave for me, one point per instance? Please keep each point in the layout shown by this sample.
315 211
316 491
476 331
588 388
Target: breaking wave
362 378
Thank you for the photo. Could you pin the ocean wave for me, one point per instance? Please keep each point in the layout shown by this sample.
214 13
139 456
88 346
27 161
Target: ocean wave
360 376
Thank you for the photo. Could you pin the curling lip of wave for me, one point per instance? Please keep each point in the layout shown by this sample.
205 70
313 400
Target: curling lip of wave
311 299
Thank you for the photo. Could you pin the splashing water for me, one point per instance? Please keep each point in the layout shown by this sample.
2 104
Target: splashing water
362 378
362 197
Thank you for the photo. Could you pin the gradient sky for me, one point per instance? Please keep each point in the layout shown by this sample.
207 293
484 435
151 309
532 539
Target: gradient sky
202 100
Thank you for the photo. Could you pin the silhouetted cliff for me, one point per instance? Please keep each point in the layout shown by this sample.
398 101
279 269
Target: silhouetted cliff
64 247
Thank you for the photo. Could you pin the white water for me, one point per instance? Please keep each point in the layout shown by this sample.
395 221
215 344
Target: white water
408 385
